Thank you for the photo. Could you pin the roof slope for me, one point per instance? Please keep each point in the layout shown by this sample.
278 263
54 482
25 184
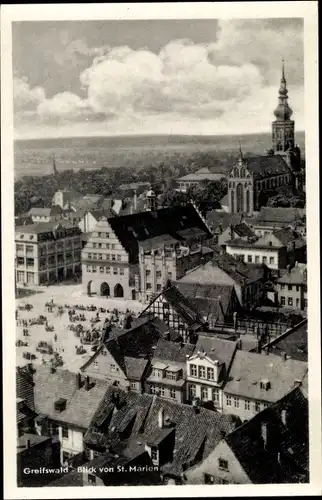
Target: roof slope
80 403
293 343
138 227
216 349
283 215
267 166
172 351
249 369
291 441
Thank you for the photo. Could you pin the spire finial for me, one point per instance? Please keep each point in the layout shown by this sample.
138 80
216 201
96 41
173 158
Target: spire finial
241 152
283 69
54 165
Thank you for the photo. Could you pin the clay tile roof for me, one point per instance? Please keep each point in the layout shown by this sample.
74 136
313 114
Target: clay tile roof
135 367
172 351
217 349
291 441
80 404
266 166
249 369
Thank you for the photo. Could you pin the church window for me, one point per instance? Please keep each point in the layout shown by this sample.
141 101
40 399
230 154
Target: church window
236 172
242 172
240 198
232 201
247 202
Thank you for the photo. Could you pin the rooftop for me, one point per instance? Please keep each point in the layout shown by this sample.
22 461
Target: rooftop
172 351
293 343
266 166
262 463
249 369
44 227
80 403
29 440
280 215
216 349
296 276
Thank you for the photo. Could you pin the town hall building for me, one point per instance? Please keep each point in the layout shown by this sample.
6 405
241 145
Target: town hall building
281 166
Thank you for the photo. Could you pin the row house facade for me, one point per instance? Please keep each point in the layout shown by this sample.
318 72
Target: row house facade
47 252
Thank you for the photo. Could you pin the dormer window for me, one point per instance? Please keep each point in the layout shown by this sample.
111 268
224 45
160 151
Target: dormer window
60 404
265 384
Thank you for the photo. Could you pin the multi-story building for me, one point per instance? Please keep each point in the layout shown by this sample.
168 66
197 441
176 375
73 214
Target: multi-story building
51 214
178 312
208 369
168 372
271 219
199 178
224 269
291 287
272 447
258 380
276 251
132 256
47 252
64 403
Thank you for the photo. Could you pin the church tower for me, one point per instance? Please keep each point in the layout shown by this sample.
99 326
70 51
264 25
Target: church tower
283 126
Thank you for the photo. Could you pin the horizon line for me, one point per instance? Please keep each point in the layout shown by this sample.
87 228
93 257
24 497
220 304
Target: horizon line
143 135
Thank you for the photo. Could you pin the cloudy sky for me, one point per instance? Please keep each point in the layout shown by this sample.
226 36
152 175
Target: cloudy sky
141 77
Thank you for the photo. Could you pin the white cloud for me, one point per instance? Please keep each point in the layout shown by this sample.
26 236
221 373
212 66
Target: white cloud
227 86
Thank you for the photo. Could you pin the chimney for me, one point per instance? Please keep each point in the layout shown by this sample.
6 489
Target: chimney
160 418
87 383
216 370
284 417
78 380
28 443
264 433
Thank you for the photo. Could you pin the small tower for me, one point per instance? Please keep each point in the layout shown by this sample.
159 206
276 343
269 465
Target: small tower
55 171
283 126
151 199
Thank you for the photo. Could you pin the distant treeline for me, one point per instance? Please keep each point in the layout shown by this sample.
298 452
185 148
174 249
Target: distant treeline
39 190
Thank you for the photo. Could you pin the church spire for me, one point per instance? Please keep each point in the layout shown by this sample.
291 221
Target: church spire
283 111
54 166
241 156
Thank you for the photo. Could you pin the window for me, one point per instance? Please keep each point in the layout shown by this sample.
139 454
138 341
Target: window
204 394
94 245
161 391
305 303
113 246
193 370
272 260
29 248
236 402
297 288
94 255
91 479
257 261
88 269
20 261
101 269
172 393
154 453
133 385
247 404
119 258
157 373
297 302
282 287
65 432
257 407
228 400
249 258
115 270
159 287
100 256
154 389
202 372
89 255
215 395
20 276
210 374
171 375
113 257
289 287
99 244
290 301
208 479
19 248
108 270
159 274
107 245
223 464
282 301
114 368
147 272
192 390
121 271
148 286
94 269
264 260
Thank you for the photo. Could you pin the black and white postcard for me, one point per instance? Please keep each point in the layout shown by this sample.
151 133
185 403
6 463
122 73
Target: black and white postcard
160 228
